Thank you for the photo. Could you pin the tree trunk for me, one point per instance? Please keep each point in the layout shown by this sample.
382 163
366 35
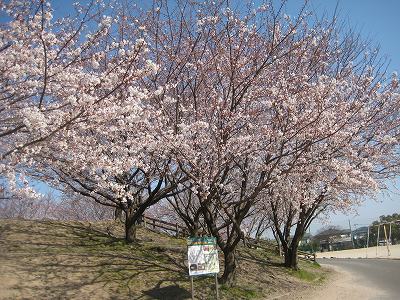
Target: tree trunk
193 231
130 229
291 258
228 277
278 242
118 214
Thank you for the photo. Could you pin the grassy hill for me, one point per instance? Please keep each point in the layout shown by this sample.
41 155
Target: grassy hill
72 260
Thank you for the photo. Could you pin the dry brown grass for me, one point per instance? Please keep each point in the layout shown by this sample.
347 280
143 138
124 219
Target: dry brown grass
72 260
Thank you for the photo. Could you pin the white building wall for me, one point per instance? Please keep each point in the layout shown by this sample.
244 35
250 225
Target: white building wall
371 252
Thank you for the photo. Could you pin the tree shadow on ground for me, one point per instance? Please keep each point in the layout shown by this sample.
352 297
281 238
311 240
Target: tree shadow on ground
171 292
68 261
264 261
71 260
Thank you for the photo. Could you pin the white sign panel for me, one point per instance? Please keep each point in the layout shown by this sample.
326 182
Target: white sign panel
202 256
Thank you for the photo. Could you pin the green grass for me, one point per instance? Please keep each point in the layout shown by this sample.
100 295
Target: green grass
310 272
77 254
304 275
237 292
315 265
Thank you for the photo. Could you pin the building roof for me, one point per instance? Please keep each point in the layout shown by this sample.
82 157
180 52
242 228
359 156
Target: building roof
330 233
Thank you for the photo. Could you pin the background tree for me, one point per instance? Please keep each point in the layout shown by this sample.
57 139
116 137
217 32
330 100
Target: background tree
54 73
186 207
109 153
395 231
354 153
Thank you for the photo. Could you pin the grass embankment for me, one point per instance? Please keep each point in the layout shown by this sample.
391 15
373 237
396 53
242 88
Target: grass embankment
71 260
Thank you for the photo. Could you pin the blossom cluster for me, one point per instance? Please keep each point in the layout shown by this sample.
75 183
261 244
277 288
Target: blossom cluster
237 113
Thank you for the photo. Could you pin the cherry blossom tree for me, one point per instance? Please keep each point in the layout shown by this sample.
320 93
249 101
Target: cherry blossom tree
222 112
75 207
355 153
54 72
219 69
354 165
257 223
256 97
185 206
113 156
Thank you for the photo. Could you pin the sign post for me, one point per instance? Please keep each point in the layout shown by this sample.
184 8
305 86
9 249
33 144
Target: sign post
191 287
203 259
216 286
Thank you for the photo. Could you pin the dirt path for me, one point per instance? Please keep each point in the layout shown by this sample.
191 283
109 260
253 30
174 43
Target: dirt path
344 285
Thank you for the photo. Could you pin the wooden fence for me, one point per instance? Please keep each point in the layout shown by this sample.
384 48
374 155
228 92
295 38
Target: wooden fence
306 256
252 243
177 230
170 228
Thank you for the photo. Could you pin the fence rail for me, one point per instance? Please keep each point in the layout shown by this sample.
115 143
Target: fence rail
174 228
306 256
181 231
253 243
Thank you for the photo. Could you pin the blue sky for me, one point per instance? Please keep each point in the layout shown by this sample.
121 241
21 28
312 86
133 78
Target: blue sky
377 20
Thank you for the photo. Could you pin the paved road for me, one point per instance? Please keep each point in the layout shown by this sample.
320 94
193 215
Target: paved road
383 274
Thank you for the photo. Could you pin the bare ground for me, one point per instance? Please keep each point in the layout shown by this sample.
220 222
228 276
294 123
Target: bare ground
343 285
71 260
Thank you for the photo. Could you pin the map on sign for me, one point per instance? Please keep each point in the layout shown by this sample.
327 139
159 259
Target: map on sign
202 256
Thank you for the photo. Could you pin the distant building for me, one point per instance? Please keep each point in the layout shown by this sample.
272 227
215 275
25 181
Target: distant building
306 239
360 233
384 243
334 239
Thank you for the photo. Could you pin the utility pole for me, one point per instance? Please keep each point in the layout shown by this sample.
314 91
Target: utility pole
351 235
377 241
366 255
387 241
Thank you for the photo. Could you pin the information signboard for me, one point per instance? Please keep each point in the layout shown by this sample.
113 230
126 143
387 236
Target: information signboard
202 256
